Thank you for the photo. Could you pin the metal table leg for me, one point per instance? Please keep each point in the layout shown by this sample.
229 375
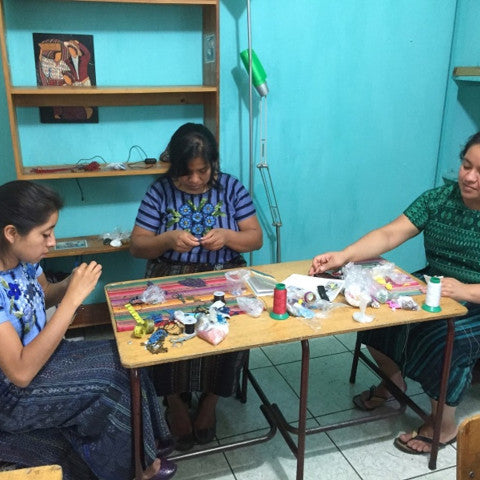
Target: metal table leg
137 430
302 409
437 424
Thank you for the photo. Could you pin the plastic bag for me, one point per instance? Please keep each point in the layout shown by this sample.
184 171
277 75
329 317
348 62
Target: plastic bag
359 284
213 328
153 294
251 306
236 281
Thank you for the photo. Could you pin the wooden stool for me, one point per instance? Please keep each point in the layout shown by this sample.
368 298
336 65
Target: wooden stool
47 472
468 449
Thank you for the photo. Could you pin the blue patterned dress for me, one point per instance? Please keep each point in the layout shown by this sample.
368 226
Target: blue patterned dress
76 411
165 207
452 247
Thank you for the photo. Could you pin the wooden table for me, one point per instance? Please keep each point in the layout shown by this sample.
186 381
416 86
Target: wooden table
266 332
47 472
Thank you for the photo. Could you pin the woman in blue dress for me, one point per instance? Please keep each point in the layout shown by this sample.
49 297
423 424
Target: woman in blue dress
62 402
195 218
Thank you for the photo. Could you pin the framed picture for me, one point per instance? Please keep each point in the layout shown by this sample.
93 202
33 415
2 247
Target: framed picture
61 60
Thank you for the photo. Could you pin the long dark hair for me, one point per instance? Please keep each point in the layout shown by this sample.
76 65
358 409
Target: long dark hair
473 140
190 141
25 205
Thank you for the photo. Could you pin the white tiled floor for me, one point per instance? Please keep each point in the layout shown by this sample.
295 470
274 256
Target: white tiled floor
359 452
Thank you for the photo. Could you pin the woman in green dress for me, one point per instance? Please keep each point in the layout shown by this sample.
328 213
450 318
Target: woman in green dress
449 217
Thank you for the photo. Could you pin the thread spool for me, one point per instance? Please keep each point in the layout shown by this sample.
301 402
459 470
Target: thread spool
432 298
189 322
219 296
279 302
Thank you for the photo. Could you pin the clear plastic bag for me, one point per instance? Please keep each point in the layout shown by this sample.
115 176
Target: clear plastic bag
213 328
251 306
236 280
360 284
153 294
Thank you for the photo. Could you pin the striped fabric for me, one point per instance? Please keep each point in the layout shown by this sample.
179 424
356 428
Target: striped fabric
451 233
76 413
178 297
452 247
418 350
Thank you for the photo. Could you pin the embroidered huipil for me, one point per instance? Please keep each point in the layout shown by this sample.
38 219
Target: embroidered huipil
165 207
22 300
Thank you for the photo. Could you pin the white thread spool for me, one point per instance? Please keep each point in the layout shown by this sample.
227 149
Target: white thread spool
434 292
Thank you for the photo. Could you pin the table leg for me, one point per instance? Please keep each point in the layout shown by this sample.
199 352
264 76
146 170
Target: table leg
136 408
302 409
437 425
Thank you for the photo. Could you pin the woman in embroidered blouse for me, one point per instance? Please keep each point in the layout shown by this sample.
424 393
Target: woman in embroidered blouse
195 218
449 217
62 402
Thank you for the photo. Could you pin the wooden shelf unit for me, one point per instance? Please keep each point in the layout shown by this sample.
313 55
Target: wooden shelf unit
94 245
466 74
206 94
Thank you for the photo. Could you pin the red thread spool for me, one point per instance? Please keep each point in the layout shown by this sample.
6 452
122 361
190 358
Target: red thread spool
279 302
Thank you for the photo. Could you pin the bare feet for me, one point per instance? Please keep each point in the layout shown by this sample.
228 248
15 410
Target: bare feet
178 417
206 412
160 469
152 469
421 441
376 396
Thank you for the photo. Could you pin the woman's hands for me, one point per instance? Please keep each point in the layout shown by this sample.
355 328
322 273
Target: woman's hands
327 261
215 239
82 281
181 240
461 292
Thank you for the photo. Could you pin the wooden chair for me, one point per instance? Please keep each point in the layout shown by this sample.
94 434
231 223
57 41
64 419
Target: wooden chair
468 449
46 472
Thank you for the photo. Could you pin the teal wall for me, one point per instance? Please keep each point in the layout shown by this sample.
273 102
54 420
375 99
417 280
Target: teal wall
462 108
360 93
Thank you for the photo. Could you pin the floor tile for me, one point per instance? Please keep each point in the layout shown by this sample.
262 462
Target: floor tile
205 468
290 352
258 359
234 418
274 461
329 388
445 474
347 339
369 449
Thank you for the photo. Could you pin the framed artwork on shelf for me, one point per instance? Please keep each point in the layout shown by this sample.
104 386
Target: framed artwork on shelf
65 60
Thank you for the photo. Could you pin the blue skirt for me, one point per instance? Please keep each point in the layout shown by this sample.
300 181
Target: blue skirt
418 349
76 413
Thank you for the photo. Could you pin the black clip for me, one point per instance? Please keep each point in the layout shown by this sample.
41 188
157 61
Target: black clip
322 293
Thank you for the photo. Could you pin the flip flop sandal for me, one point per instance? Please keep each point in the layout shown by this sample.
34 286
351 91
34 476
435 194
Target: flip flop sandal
369 396
403 446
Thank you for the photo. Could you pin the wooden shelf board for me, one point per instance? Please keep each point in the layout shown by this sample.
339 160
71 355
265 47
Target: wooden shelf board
110 96
94 245
157 2
466 71
51 172
91 315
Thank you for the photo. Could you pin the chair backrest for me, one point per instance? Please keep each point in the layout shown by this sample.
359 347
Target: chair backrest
468 449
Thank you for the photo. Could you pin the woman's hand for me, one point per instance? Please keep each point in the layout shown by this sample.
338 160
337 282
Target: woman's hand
215 239
327 261
453 288
181 240
83 280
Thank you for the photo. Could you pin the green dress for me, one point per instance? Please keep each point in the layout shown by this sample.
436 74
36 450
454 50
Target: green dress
452 247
